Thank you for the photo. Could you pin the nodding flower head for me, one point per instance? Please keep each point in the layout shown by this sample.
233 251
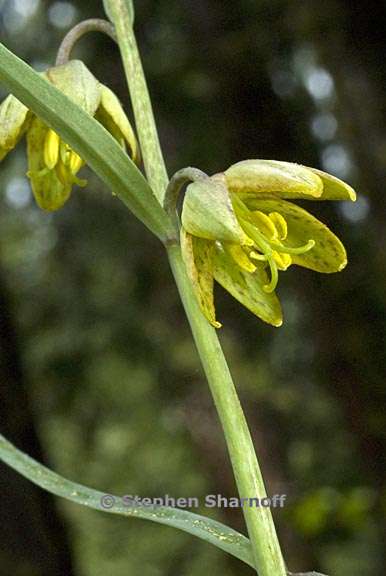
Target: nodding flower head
52 164
240 228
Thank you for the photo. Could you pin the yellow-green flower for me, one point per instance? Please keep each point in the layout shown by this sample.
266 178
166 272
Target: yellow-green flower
52 164
239 229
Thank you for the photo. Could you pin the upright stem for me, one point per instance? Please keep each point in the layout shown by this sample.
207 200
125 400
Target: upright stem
261 529
143 111
249 480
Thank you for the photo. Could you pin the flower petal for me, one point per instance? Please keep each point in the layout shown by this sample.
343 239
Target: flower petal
76 81
198 257
49 190
111 114
207 212
328 254
272 178
334 188
247 288
14 118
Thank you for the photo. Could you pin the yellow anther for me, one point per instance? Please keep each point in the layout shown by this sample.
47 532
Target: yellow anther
65 152
264 224
51 149
280 224
240 257
282 260
75 162
248 241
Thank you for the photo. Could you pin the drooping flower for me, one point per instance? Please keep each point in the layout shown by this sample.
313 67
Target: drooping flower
240 229
52 164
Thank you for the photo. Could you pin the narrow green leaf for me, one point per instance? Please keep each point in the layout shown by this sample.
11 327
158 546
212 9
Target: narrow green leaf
305 574
87 137
129 5
209 530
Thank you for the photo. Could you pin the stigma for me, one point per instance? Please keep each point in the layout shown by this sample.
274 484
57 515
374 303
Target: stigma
269 233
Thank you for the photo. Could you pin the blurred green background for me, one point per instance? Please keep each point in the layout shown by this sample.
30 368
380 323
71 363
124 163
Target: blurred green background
99 377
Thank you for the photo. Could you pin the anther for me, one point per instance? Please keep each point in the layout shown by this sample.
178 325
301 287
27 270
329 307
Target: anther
51 149
240 257
265 224
75 162
280 224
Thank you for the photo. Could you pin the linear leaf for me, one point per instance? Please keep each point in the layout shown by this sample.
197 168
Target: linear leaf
87 137
209 530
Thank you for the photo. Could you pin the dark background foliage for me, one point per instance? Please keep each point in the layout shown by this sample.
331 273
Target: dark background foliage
99 378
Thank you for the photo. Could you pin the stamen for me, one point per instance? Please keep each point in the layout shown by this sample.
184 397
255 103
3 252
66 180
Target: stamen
267 254
259 239
38 173
248 241
240 257
51 149
75 162
66 177
62 172
65 152
265 224
280 224
283 260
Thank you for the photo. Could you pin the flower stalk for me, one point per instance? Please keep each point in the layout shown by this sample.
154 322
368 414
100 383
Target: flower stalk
177 182
264 542
72 37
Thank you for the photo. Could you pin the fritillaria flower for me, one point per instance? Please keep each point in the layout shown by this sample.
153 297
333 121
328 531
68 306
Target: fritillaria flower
241 229
52 164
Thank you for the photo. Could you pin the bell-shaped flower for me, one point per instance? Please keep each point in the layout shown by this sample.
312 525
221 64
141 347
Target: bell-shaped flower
52 164
240 229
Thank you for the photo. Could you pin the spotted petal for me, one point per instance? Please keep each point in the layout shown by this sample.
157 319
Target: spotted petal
198 255
334 188
49 191
328 254
14 119
111 114
272 178
247 287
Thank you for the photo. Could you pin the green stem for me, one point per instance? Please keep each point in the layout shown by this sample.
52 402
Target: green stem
143 111
249 480
265 546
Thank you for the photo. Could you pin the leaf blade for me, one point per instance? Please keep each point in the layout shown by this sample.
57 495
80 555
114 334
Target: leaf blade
204 528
